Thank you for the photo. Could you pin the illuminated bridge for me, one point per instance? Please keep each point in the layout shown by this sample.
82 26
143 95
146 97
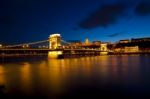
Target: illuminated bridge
54 47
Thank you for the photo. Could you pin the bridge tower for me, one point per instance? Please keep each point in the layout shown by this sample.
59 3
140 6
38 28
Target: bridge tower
54 41
54 44
103 48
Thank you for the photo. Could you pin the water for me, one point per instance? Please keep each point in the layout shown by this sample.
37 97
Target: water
100 76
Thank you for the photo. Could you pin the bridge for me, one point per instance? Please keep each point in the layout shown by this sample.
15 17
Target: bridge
55 47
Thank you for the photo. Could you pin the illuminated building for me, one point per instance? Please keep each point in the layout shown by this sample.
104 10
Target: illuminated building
97 42
140 39
124 41
131 49
87 42
75 42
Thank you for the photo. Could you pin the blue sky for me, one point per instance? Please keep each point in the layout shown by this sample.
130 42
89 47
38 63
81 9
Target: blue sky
104 20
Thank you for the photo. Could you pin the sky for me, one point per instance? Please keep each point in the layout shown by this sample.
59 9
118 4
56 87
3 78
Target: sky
103 20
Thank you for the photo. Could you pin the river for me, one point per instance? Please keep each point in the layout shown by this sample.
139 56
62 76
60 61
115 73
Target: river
123 76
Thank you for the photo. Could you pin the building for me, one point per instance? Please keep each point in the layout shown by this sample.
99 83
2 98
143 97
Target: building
141 39
96 42
131 49
87 42
74 42
124 41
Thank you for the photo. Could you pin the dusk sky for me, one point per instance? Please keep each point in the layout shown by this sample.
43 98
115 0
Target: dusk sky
104 20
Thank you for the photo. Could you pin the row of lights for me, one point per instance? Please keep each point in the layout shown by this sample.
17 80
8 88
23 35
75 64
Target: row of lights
26 46
43 46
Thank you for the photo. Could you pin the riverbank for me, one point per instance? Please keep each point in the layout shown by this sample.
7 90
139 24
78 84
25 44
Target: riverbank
128 53
72 55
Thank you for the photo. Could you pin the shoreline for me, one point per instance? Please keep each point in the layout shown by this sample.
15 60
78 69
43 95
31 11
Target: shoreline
128 53
73 55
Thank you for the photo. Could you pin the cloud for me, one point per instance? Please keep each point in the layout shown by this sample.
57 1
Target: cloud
143 8
104 16
115 34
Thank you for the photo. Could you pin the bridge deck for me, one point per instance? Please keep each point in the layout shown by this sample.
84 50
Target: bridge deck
49 49
11 52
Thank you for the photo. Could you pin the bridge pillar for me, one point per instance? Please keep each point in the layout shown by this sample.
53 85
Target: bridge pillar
103 48
55 54
54 41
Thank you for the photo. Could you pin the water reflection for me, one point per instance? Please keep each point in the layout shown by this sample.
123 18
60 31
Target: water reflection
2 75
53 77
26 77
125 67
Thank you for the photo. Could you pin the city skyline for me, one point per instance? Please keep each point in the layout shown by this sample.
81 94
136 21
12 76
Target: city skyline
108 21
80 49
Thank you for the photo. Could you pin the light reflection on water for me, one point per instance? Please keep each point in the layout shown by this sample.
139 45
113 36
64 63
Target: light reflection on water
54 77
2 78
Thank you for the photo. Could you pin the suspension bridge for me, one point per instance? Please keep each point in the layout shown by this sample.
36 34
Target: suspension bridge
54 47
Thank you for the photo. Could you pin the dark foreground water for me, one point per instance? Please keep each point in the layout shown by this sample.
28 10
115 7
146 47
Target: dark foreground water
85 77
